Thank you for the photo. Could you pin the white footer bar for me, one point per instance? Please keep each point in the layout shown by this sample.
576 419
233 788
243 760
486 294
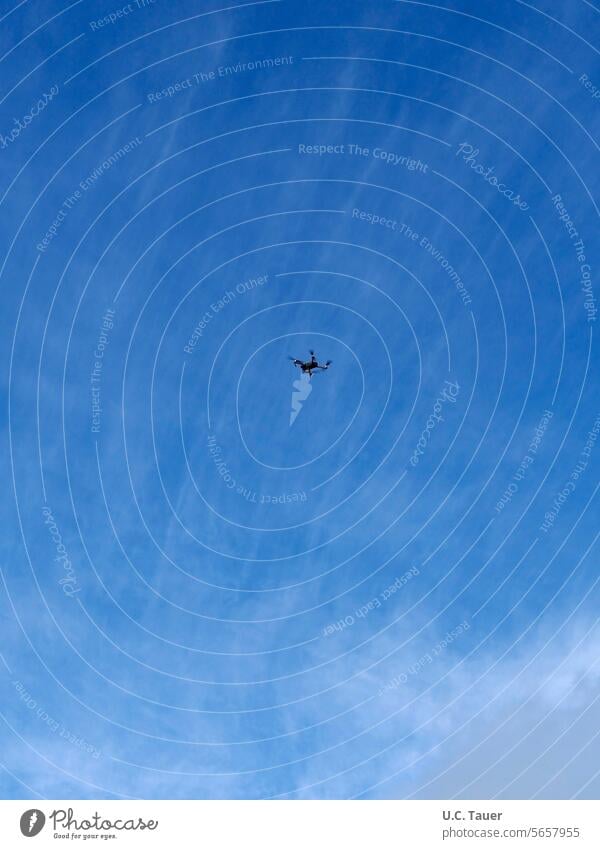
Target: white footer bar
302 824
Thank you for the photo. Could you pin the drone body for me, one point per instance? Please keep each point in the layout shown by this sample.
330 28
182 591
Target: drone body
308 366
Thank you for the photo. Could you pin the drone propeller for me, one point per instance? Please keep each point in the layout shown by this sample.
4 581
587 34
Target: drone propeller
311 352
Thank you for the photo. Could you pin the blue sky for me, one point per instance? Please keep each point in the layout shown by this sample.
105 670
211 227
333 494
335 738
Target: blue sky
396 595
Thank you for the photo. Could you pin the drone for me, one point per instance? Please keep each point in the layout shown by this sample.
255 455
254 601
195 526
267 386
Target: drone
310 365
